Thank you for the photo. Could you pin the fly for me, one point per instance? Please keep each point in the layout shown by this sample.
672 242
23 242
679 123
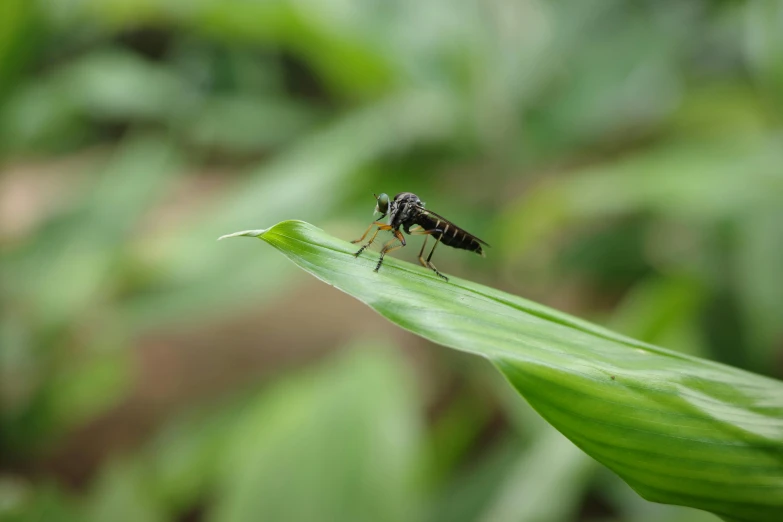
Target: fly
406 211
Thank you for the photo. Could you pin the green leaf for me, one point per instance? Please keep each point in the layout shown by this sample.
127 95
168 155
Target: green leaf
338 442
678 429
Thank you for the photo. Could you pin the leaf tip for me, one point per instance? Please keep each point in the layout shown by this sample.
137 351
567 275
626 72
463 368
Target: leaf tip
244 233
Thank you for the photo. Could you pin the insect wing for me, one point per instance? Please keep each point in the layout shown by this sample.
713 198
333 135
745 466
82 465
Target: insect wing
430 220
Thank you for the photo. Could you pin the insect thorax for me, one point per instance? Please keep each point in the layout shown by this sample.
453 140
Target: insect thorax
403 209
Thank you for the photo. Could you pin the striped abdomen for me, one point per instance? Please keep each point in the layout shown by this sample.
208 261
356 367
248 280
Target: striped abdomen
451 234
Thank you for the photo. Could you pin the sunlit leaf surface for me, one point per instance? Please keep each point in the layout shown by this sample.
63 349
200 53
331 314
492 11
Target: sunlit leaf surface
678 429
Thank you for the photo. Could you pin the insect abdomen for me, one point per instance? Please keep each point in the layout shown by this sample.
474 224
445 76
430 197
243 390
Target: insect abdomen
459 239
451 234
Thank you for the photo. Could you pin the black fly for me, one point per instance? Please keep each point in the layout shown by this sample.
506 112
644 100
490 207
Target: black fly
406 210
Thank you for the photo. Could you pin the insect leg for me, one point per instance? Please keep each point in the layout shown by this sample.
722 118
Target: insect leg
429 263
421 252
399 236
364 235
421 232
381 226
386 249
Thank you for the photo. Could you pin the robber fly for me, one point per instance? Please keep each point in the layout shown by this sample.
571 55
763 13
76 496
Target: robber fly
406 210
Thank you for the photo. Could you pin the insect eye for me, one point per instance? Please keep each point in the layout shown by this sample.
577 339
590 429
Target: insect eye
383 203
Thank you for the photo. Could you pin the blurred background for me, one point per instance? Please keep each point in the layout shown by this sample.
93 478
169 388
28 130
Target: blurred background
624 160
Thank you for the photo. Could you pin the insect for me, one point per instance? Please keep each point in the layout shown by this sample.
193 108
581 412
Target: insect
407 211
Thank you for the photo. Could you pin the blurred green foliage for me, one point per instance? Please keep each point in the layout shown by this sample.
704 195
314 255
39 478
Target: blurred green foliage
623 159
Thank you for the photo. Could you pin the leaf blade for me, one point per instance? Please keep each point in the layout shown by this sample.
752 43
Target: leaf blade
678 429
